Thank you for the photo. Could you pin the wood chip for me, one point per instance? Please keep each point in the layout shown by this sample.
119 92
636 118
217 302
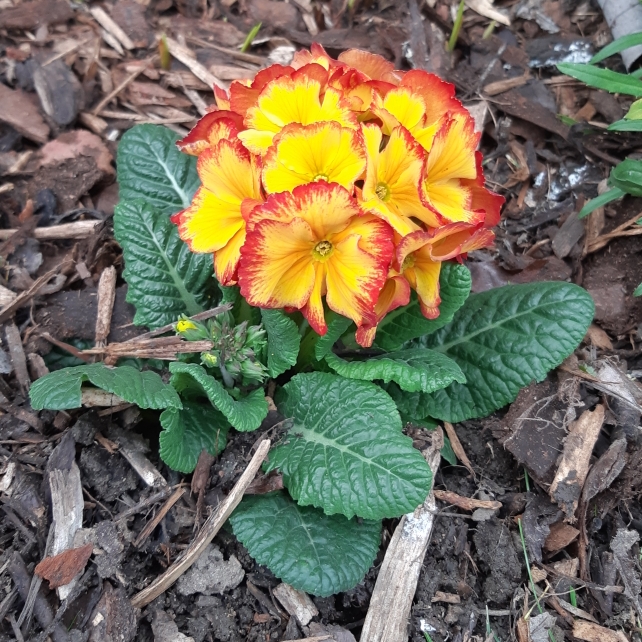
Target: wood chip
590 632
573 468
187 57
296 603
62 568
21 112
500 86
387 617
109 25
207 532
458 449
106 298
448 598
465 503
560 536
18 357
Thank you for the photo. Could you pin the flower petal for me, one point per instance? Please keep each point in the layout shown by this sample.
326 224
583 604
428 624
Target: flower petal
313 309
322 151
355 277
372 65
438 96
242 97
226 260
276 267
214 126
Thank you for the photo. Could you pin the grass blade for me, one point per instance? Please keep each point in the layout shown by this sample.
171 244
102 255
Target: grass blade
616 46
606 79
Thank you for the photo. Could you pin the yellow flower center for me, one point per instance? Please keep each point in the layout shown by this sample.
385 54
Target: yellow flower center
322 250
321 177
408 262
383 191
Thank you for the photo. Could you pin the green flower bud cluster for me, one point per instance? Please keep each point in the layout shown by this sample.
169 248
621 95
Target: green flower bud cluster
236 347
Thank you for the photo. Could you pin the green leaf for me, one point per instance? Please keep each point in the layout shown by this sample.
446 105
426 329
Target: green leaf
626 126
503 339
635 111
337 327
415 369
151 168
188 431
245 415
448 453
600 201
638 290
61 389
627 176
312 552
164 278
606 79
408 322
618 45
345 452
283 341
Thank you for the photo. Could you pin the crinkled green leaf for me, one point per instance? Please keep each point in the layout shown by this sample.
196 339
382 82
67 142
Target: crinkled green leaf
151 168
188 431
502 339
61 389
283 341
245 415
414 369
313 552
610 81
345 452
337 327
164 278
404 324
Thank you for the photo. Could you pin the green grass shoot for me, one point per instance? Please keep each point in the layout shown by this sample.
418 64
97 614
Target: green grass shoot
459 20
247 43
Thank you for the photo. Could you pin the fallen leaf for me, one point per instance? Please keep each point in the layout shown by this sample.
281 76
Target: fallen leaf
590 632
598 338
77 143
62 568
560 536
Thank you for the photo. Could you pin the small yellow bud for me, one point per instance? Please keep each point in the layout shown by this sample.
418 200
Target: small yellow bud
185 324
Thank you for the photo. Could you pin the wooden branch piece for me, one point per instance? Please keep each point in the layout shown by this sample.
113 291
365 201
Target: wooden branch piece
206 534
156 520
185 55
107 23
296 603
387 618
465 503
106 298
75 230
458 449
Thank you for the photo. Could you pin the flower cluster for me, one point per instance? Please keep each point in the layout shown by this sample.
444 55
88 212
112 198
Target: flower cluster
343 179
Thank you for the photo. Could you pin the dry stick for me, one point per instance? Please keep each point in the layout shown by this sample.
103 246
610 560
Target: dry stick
112 94
109 25
206 534
387 618
76 230
143 504
156 520
185 55
24 297
106 298
201 316
465 503
17 354
458 449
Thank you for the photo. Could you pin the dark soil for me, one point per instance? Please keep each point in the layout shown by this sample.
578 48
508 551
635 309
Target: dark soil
474 584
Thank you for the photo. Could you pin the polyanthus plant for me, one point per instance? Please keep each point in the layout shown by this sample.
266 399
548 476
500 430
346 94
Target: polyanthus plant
339 199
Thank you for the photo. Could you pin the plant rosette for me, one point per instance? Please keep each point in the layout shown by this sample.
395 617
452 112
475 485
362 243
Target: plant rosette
339 199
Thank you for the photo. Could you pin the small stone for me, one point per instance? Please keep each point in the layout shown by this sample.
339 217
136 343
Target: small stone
211 574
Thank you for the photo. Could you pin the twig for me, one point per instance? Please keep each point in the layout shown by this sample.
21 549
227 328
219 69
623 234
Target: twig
107 23
156 520
201 316
185 55
165 348
145 503
75 230
17 354
458 448
387 617
206 534
114 92
465 503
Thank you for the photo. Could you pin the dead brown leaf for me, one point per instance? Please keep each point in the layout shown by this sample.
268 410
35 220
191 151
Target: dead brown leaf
590 632
560 536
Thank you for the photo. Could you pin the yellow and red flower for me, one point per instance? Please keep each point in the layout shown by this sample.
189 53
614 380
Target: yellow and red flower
339 180
312 242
